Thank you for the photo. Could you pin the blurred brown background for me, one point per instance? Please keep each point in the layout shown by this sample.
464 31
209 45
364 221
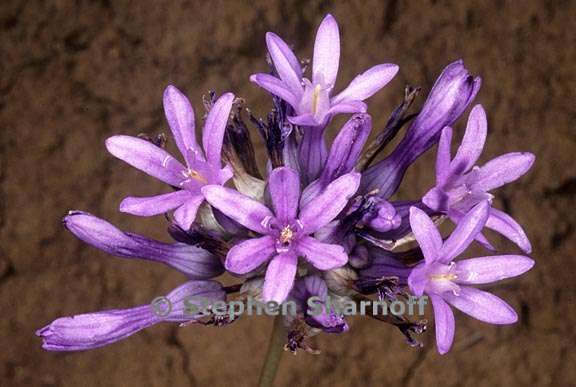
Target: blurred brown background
75 72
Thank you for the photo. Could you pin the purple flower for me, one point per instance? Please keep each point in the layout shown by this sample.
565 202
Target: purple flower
344 153
93 330
285 231
314 286
311 100
460 185
201 168
194 262
452 93
445 281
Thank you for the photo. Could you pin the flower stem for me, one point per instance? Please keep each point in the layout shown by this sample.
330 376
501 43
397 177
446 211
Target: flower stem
274 353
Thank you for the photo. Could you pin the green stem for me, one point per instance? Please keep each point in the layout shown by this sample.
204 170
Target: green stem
274 353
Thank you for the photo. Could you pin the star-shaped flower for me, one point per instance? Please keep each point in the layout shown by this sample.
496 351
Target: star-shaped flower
311 99
201 167
287 231
446 282
460 185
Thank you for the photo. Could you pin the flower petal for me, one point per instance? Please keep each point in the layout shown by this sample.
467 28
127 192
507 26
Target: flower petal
284 186
326 206
147 157
444 324
504 224
502 170
473 142
426 234
244 210
346 147
214 128
185 215
347 107
436 199
484 270
180 117
284 62
368 83
326 52
306 119
443 156
280 276
154 205
322 256
192 261
482 306
248 255
274 86
467 229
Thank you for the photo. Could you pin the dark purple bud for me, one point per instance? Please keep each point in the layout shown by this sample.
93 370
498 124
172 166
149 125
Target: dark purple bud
346 148
451 94
195 262
93 330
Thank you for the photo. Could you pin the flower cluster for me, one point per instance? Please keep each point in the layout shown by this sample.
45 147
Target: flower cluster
321 221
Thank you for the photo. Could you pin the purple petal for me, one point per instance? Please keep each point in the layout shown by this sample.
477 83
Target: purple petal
418 279
312 153
502 170
321 255
285 63
368 83
436 199
484 270
443 157
306 120
147 157
348 107
280 276
451 94
180 117
284 186
467 229
244 210
192 261
326 52
186 213
275 86
426 234
346 148
154 205
214 128
482 306
93 330
504 224
326 206
249 255
444 324
473 142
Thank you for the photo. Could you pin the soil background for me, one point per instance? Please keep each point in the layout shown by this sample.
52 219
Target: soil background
73 73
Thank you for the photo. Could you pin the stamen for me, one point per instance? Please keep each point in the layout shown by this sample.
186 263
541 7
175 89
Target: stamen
193 174
286 235
315 97
443 277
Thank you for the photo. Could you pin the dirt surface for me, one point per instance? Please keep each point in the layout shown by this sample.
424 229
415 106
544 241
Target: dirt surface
75 72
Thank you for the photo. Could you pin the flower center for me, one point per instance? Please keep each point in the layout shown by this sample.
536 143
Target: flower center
286 235
193 174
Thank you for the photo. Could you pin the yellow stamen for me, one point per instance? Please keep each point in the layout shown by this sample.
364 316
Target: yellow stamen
191 173
286 234
443 277
315 97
